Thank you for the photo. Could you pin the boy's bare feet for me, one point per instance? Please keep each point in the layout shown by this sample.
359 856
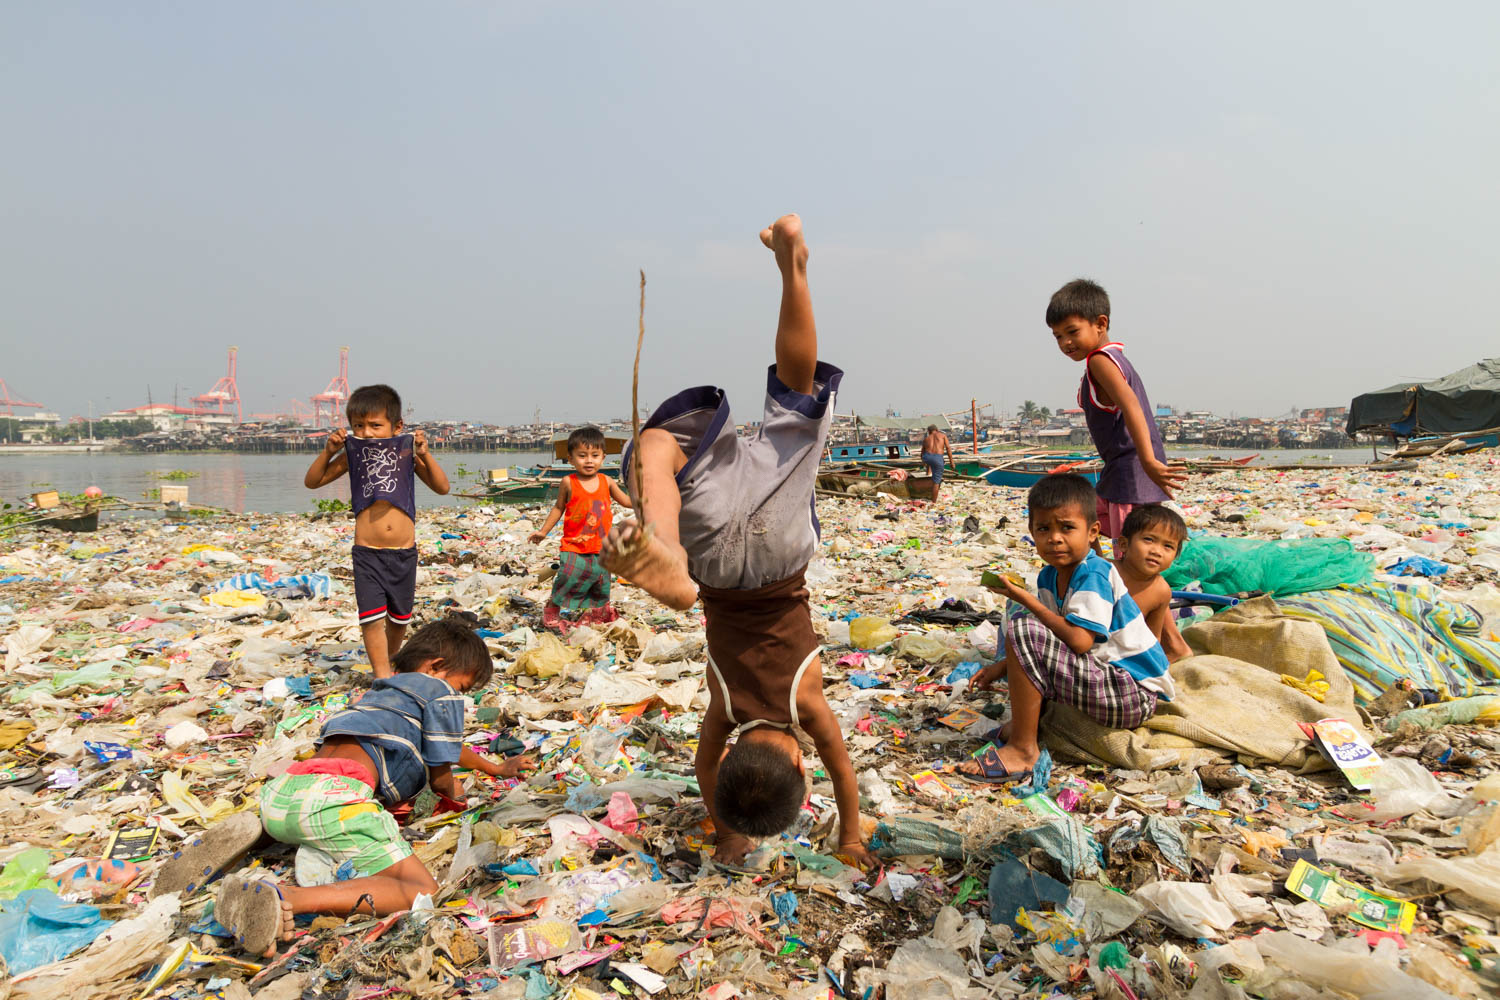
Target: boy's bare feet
653 565
784 236
732 848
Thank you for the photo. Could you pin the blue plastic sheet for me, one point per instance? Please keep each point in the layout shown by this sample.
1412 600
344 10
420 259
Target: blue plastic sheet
785 905
1418 566
37 928
962 672
861 679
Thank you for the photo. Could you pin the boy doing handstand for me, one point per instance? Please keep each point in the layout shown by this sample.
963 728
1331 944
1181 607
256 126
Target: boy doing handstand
1082 640
580 590
731 520
383 464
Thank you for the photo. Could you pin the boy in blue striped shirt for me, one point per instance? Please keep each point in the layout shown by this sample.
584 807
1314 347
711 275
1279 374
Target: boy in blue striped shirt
1082 639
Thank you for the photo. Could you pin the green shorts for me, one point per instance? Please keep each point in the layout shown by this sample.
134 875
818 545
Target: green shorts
335 814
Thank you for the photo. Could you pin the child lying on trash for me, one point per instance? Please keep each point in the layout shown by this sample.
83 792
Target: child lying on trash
1081 640
405 733
1149 542
731 519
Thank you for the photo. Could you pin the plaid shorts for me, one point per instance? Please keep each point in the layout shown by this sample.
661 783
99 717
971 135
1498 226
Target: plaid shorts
581 582
1105 693
336 814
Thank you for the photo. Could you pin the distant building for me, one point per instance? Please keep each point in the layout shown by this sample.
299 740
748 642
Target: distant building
34 426
168 418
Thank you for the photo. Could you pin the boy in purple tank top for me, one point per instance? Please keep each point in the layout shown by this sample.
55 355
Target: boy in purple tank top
1114 403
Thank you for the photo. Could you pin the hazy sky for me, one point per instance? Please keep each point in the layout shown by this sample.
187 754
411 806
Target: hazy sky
1289 203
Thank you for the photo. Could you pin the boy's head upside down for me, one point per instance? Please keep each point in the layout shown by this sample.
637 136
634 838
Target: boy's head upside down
761 786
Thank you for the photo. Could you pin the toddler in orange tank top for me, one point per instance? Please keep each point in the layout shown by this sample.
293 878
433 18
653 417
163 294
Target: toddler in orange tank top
580 590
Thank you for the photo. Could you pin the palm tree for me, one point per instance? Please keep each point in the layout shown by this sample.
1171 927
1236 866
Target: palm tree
1045 413
1028 411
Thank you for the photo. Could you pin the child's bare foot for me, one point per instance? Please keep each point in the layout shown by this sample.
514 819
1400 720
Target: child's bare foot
732 848
651 564
784 236
1012 759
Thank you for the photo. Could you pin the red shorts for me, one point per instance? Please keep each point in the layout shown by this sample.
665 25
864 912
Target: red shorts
1112 518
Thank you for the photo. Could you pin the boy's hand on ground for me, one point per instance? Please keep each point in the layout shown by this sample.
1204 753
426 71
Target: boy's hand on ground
335 440
989 675
535 537
857 855
516 766
1168 477
419 442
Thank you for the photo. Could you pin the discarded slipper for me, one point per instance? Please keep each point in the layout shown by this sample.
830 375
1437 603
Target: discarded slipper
992 771
16 774
209 856
251 909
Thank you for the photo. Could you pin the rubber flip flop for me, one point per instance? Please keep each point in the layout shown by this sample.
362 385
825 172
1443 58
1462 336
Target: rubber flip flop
209 856
251 909
992 771
15 774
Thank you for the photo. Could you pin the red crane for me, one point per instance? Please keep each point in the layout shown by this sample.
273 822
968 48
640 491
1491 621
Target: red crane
329 404
10 404
224 391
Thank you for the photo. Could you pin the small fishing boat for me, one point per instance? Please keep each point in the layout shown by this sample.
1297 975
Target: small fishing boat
871 451
1024 473
864 482
538 483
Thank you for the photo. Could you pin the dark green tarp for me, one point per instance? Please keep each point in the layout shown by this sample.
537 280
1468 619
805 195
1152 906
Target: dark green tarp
1467 400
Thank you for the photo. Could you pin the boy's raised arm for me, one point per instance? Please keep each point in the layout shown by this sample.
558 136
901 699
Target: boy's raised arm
1107 375
330 464
427 468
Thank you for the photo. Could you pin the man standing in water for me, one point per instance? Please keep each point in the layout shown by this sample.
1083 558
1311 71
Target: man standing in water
934 446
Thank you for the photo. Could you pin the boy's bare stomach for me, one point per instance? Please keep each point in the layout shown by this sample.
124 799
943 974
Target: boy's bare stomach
383 526
346 748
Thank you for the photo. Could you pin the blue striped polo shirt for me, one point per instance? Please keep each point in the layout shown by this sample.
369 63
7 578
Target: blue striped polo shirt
1098 600
406 723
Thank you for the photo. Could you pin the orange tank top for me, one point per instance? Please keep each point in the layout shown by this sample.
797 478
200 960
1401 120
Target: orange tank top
587 517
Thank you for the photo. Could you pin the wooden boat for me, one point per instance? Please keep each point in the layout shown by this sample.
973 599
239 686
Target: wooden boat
871 451
538 483
845 483
1025 472
1448 444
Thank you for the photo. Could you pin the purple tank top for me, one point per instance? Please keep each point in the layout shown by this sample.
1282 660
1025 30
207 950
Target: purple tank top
1123 480
382 469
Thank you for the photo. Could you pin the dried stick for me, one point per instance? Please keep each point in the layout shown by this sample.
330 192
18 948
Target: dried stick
638 487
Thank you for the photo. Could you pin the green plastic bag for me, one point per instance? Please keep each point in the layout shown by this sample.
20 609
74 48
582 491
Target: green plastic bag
1287 566
26 870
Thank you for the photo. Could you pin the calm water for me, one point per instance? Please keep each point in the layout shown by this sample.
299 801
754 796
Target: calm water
237 482
273 483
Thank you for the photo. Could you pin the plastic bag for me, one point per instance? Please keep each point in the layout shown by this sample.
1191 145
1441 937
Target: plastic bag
1483 710
1402 786
922 969
26 870
37 928
546 660
1237 565
917 646
622 815
871 633
1189 908
1347 972
1476 876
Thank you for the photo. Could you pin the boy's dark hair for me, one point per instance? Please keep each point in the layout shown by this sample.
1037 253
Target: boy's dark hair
369 399
451 640
1080 297
760 790
1154 515
586 437
1052 492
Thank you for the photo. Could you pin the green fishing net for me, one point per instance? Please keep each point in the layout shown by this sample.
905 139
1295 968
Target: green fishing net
1286 566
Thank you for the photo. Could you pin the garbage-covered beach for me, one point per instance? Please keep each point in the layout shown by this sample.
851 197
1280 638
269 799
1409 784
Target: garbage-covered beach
1316 814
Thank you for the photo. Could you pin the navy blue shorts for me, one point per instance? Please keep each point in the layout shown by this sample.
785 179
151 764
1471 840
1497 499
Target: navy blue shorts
935 464
385 583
